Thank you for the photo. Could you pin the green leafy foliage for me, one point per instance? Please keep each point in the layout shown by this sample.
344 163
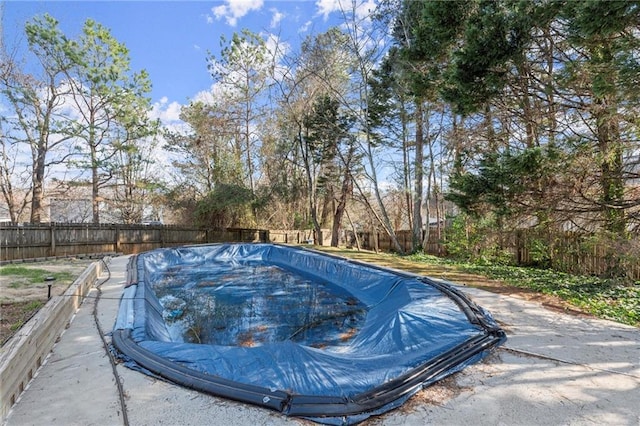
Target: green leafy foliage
462 238
469 45
324 129
540 252
608 298
502 181
226 206
475 240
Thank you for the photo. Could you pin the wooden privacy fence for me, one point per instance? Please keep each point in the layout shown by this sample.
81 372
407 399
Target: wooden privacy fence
579 253
571 252
381 241
32 241
576 253
378 241
305 236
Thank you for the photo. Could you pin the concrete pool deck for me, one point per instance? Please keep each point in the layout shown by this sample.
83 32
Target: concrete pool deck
553 369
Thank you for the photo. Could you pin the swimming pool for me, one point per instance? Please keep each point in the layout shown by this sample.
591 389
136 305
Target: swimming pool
295 330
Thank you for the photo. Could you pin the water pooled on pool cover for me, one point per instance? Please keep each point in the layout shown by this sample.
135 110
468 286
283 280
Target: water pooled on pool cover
295 330
252 303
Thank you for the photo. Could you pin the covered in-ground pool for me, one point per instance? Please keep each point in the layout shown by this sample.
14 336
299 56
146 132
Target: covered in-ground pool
295 330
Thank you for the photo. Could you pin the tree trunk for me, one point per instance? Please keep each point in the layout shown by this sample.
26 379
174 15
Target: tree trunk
313 194
354 230
431 183
347 188
247 131
611 168
549 95
328 206
609 145
95 185
37 190
527 109
9 195
406 167
416 239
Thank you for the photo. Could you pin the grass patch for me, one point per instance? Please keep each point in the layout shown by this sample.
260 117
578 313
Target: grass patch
607 298
32 275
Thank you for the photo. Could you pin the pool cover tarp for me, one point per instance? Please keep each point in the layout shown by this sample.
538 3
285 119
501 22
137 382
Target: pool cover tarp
296 330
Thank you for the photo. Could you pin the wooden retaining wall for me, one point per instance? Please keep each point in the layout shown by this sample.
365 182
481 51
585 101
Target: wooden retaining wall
25 352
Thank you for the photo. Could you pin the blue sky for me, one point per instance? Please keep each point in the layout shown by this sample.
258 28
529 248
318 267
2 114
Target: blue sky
170 39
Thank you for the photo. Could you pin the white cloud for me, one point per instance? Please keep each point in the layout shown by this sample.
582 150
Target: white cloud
276 47
276 18
205 96
165 111
235 9
366 8
221 12
326 7
212 96
304 27
363 8
277 50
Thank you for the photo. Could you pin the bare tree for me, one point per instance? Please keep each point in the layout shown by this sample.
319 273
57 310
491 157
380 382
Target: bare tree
364 44
312 99
38 108
243 72
15 197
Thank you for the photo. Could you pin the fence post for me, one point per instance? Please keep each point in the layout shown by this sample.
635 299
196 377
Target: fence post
117 240
52 230
519 247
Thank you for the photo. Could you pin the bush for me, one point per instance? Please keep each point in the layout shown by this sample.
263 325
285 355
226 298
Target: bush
539 252
476 241
226 206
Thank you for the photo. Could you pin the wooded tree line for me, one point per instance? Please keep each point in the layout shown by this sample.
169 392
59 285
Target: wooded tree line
524 114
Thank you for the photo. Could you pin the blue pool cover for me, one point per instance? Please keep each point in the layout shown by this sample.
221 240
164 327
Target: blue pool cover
294 330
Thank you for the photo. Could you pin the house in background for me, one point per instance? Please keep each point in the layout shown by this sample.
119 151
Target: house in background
4 213
70 210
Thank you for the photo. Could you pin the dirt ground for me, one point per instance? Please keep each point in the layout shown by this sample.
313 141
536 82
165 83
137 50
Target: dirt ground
20 299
